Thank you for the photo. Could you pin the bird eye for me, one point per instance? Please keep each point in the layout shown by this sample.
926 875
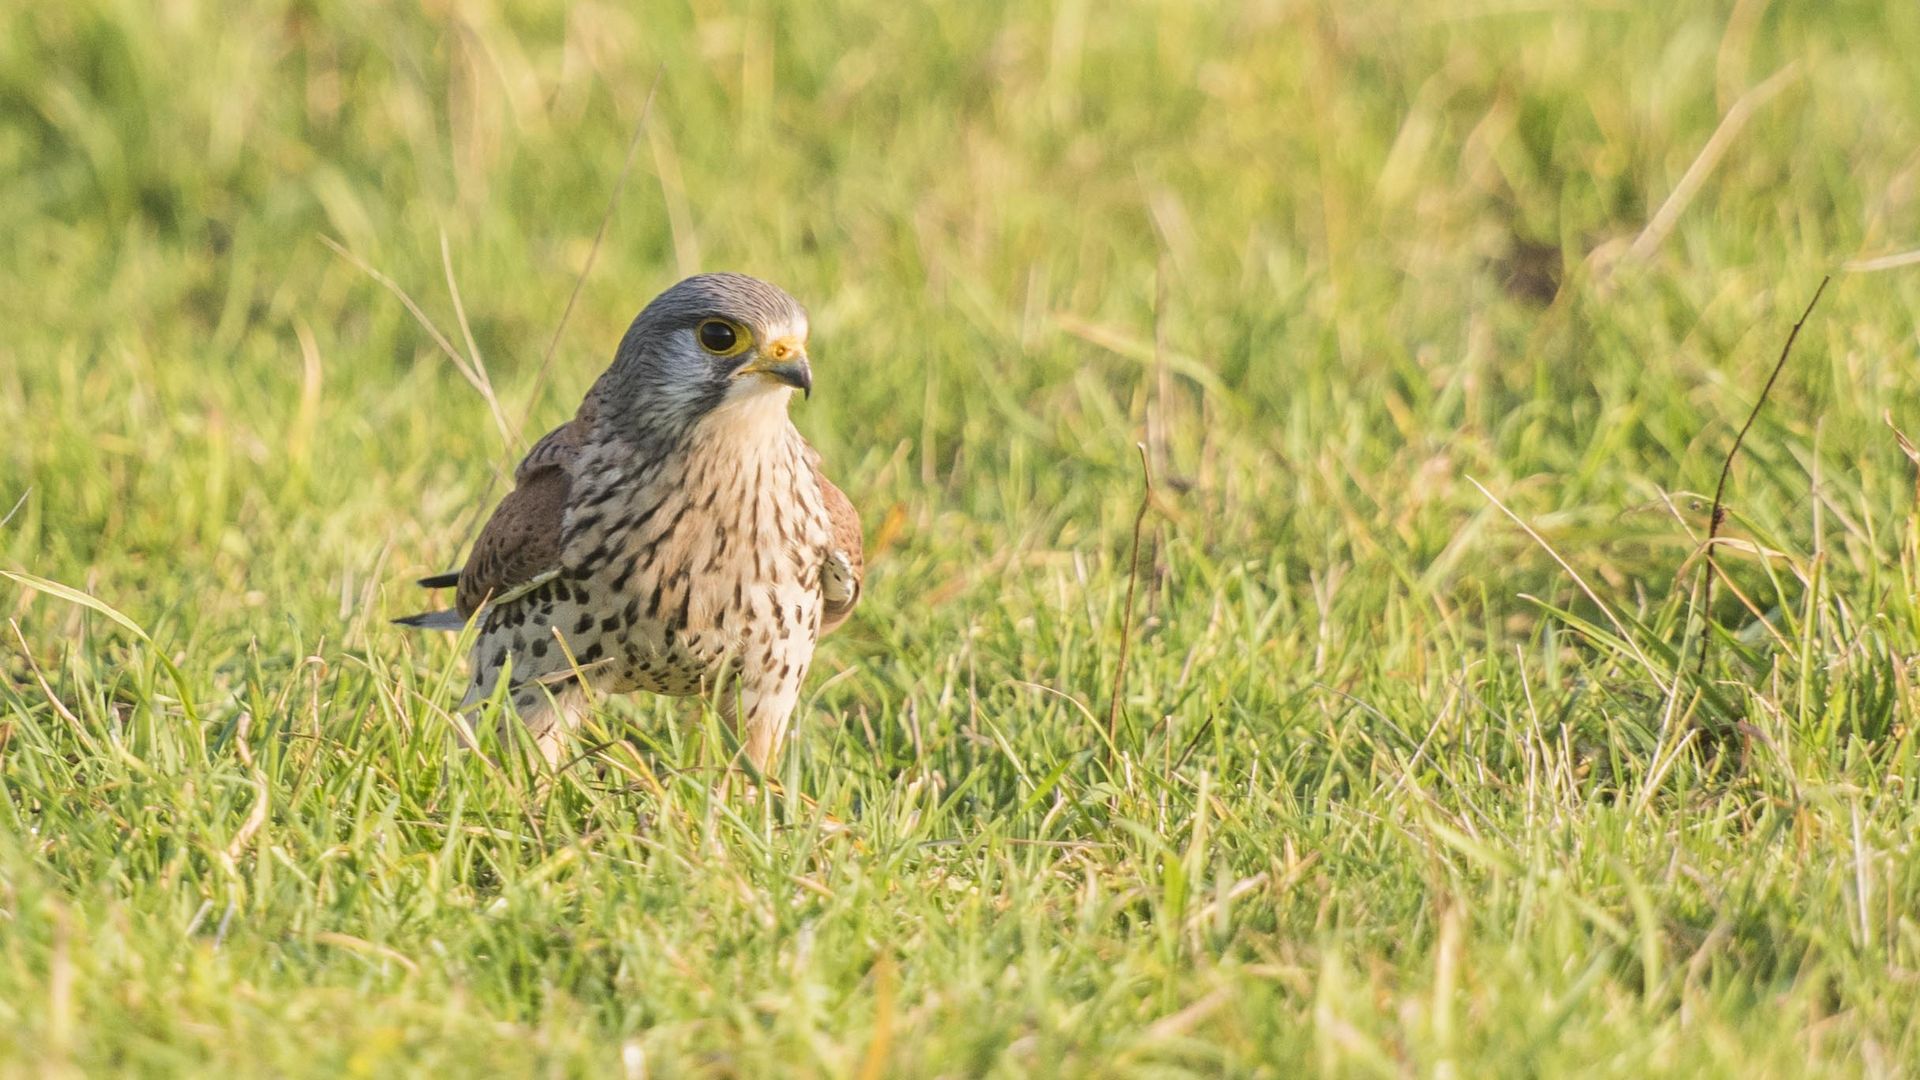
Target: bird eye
721 338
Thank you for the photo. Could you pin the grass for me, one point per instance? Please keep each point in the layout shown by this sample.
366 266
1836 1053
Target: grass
1413 773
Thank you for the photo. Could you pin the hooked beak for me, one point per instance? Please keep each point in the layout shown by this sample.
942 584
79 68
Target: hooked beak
783 361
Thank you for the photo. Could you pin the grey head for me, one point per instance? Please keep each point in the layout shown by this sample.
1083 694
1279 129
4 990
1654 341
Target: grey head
711 341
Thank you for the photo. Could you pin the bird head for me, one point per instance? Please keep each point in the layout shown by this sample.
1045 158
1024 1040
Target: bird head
711 341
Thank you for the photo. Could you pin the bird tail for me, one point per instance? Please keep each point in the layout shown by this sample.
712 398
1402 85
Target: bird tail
434 620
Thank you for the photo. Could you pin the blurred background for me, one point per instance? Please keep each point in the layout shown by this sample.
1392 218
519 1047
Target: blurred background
1390 244
1398 785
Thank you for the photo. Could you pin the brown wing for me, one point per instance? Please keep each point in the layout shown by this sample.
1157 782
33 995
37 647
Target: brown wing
522 540
844 523
556 449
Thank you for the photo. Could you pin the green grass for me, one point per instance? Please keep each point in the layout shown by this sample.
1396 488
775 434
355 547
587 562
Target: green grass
1395 792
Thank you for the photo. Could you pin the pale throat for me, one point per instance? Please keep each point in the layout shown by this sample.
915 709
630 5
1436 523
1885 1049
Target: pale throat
752 420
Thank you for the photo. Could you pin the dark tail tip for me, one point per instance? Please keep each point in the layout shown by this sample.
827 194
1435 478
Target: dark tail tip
432 620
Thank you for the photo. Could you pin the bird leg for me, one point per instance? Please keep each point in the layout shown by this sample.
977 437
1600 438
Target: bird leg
551 713
760 720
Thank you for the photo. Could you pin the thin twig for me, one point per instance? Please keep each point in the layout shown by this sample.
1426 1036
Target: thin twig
613 201
1192 744
1133 584
1162 380
1712 567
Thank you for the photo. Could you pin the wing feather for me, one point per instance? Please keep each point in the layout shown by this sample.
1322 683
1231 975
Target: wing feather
520 546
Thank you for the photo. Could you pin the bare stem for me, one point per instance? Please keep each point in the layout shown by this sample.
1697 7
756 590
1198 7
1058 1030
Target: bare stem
1133 586
1712 568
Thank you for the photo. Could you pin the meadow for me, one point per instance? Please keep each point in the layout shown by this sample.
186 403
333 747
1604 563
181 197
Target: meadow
1410 744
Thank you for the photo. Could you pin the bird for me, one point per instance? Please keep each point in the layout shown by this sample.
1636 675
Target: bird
677 536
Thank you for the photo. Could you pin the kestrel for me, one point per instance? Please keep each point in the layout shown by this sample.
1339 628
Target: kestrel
676 536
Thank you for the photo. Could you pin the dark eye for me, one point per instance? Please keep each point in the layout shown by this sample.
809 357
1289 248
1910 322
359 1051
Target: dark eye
718 336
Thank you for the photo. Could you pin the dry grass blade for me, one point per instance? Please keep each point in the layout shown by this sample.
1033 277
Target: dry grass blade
466 369
1665 218
593 253
873 1063
1908 448
76 596
566 313
1883 262
473 348
1619 628
369 949
17 504
1719 512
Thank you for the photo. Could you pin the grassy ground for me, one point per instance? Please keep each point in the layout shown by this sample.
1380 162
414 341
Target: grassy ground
1412 777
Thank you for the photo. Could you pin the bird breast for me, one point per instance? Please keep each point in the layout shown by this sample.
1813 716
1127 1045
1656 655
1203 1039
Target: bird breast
714 562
